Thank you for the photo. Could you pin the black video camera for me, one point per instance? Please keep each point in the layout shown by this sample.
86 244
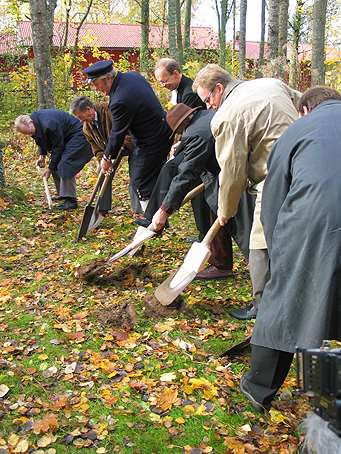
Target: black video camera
319 375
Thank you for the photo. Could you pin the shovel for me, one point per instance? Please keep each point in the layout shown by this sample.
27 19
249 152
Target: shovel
193 263
89 210
144 233
46 189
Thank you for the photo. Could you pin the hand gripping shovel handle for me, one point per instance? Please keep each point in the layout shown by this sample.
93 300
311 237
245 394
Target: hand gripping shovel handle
191 194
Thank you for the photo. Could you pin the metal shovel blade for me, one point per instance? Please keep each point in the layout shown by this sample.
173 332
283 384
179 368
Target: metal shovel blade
87 216
175 284
144 235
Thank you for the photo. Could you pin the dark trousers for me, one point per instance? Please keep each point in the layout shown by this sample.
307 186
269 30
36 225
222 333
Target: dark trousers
221 247
268 371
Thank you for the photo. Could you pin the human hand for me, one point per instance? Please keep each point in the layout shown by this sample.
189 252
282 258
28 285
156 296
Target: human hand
106 166
159 220
46 173
173 149
222 219
40 162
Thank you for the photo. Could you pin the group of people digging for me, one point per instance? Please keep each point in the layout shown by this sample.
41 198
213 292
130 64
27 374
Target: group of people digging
272 180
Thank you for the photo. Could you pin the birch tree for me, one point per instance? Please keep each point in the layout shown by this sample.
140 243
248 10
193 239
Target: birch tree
42 52
242 38
318 42
144 51
273 28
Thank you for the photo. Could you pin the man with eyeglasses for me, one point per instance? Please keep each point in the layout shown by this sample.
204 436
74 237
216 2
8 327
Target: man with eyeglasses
251 116
168 74
134 107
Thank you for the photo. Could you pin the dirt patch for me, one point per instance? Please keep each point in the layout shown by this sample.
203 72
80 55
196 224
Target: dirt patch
154 309
121 315
100 273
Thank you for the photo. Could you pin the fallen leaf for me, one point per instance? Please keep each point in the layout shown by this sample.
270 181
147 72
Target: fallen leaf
22 446
167 398
3 390
47 423
168 377
46 440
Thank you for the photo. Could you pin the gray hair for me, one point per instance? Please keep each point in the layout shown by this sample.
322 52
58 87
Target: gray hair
211 75
169 64
22 120
80 104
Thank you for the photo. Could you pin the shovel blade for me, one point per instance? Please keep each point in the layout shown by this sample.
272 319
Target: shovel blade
166 294
144 235
174 285
87 215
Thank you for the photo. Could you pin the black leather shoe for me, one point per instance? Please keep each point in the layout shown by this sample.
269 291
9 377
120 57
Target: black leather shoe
56 198
213 273
248 313
68 204
254 403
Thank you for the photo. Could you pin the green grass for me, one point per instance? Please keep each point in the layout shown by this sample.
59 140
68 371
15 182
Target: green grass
43 308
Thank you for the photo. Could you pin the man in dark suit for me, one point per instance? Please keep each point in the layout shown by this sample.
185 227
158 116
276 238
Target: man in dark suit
60 134
135 108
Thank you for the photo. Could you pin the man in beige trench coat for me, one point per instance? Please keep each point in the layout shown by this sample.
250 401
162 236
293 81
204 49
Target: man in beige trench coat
251 116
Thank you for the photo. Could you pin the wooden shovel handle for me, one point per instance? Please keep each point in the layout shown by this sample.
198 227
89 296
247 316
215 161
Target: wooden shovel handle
193 193
98 184
115 165
214 229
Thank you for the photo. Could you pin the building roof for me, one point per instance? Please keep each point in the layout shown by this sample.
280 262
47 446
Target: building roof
118 36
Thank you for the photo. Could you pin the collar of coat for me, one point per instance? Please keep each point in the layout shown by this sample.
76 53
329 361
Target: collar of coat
229 88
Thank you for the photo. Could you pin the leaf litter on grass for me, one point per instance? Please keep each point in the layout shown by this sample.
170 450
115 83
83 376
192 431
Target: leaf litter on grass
85 367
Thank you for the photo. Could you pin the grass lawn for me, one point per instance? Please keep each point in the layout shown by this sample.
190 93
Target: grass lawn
73 380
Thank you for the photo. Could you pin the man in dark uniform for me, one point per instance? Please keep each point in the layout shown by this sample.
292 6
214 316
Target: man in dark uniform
97 123
61 134
168 74
135 108
302 223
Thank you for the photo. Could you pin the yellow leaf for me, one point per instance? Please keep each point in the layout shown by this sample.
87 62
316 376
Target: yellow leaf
22 446
46 440
277 417
180 420
168 377
101 450
167 398
13 439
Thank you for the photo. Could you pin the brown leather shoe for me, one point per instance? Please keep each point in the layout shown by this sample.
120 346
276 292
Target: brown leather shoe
213 273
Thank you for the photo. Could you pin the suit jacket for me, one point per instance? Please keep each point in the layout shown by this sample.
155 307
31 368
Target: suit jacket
135 107
185 94
98 136
61 134
197 145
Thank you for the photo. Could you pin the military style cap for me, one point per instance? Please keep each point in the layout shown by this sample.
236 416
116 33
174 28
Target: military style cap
98 69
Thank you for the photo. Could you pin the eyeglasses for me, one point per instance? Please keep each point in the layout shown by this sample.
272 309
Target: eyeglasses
207 98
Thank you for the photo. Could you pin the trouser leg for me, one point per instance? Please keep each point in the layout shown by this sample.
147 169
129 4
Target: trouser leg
56 181
135 203
268 371
221 247
68 188
105 204
168 172
259 272
201 213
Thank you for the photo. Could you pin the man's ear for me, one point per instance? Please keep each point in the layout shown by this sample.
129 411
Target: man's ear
305 111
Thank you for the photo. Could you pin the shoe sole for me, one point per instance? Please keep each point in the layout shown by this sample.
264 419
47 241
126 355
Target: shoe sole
255 405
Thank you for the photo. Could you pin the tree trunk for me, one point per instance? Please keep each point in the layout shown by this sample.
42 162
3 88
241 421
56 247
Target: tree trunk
318 42
187 29
2 171
296 26
179 34
144 50
262 38
172 29
74 50
223 14
51 6
273 28
242 35
283 28
233 32
42 53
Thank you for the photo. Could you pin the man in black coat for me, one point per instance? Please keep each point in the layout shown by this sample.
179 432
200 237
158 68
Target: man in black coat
135 108
302 223
60 134
168 74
